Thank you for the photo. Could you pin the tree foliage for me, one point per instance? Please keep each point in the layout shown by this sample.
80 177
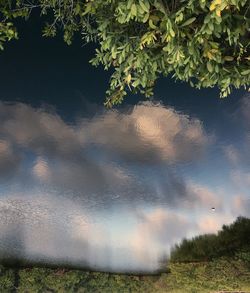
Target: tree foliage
233 240
203 42
7 29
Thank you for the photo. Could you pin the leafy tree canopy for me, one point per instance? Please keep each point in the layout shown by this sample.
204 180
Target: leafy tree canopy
232 240
203 42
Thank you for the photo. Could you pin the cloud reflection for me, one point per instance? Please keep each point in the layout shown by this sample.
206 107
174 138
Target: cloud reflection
65 186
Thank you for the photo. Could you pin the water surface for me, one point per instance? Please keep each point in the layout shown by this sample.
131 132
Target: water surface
114 190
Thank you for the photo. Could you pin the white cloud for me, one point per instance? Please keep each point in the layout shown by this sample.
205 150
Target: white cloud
213 222
156 232
241 204
41 169
37 130
232 154
82 158
147 133
201 196
9 160
148 129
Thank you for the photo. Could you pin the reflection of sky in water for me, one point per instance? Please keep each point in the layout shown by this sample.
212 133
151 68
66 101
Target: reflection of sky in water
117 189
111 189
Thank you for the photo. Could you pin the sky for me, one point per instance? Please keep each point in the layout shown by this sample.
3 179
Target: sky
112 190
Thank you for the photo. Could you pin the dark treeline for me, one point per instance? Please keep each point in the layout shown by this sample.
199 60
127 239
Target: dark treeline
233 240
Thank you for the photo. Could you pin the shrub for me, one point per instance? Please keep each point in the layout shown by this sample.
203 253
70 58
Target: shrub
232 240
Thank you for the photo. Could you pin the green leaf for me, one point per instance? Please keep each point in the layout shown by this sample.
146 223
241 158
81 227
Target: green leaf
136 83
165 49
172 33
78 8
88 8
145 18
130 2
245 72
209 67
151 24
143 6
133 9
189 21
228 58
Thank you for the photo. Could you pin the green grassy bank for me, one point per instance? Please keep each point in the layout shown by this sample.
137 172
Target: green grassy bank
217 275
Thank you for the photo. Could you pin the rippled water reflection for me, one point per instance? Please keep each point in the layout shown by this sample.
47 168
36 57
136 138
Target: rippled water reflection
115 191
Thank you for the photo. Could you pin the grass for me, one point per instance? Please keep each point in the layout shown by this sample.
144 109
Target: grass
220 275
